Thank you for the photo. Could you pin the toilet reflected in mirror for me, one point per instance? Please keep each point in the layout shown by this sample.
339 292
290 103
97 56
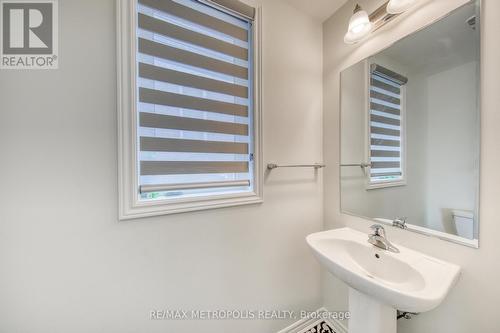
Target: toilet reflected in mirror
463 222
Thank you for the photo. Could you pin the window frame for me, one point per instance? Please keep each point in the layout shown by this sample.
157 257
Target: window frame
371 185
130 206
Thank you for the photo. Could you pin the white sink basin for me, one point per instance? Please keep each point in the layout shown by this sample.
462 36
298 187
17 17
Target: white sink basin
408 281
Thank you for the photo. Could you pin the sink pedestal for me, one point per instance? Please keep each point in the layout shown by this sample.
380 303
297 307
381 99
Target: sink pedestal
369 315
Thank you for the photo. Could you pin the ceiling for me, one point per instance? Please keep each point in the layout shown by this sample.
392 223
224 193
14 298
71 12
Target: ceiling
444 44
319 9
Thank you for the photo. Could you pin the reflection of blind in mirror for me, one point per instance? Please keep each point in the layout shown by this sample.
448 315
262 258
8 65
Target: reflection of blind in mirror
385 125
194 100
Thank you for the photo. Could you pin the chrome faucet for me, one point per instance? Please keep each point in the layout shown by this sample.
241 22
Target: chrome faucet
399 222
379 239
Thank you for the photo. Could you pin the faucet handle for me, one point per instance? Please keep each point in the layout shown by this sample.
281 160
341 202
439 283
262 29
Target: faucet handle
399 222
378 230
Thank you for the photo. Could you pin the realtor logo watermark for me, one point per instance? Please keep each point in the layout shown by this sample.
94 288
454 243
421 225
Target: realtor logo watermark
28 34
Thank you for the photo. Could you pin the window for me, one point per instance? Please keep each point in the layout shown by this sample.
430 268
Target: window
386 130
189 110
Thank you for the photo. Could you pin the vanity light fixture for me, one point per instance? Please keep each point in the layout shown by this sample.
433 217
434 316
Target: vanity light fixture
361 24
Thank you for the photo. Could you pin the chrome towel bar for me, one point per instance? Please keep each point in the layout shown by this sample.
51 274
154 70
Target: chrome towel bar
316 166
361 165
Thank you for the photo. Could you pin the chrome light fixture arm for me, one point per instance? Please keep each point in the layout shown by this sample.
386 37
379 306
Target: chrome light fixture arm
361 24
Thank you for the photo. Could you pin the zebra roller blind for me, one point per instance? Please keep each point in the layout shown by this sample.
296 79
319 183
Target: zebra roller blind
194 67
386 119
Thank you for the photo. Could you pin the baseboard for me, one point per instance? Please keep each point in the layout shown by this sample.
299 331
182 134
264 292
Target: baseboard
313 324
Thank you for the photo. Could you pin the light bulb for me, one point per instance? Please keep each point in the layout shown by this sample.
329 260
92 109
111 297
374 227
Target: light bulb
399 6
359 26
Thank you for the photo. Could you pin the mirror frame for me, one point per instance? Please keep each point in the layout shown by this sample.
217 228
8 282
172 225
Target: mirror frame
473 243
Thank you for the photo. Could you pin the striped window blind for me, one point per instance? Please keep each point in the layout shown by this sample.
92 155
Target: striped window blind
195 112
386 130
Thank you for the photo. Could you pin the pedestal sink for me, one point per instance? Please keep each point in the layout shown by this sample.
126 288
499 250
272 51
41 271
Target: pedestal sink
381 282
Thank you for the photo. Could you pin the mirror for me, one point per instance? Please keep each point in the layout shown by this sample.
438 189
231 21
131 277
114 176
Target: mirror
410 131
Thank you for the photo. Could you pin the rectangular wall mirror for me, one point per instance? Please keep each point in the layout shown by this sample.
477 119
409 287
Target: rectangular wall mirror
410 131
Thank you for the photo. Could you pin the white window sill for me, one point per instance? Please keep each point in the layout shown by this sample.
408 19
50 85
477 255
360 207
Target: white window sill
174 206
374 186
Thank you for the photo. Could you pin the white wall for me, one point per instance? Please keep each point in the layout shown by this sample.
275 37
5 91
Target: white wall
68 265
353 121
472 304
451 177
